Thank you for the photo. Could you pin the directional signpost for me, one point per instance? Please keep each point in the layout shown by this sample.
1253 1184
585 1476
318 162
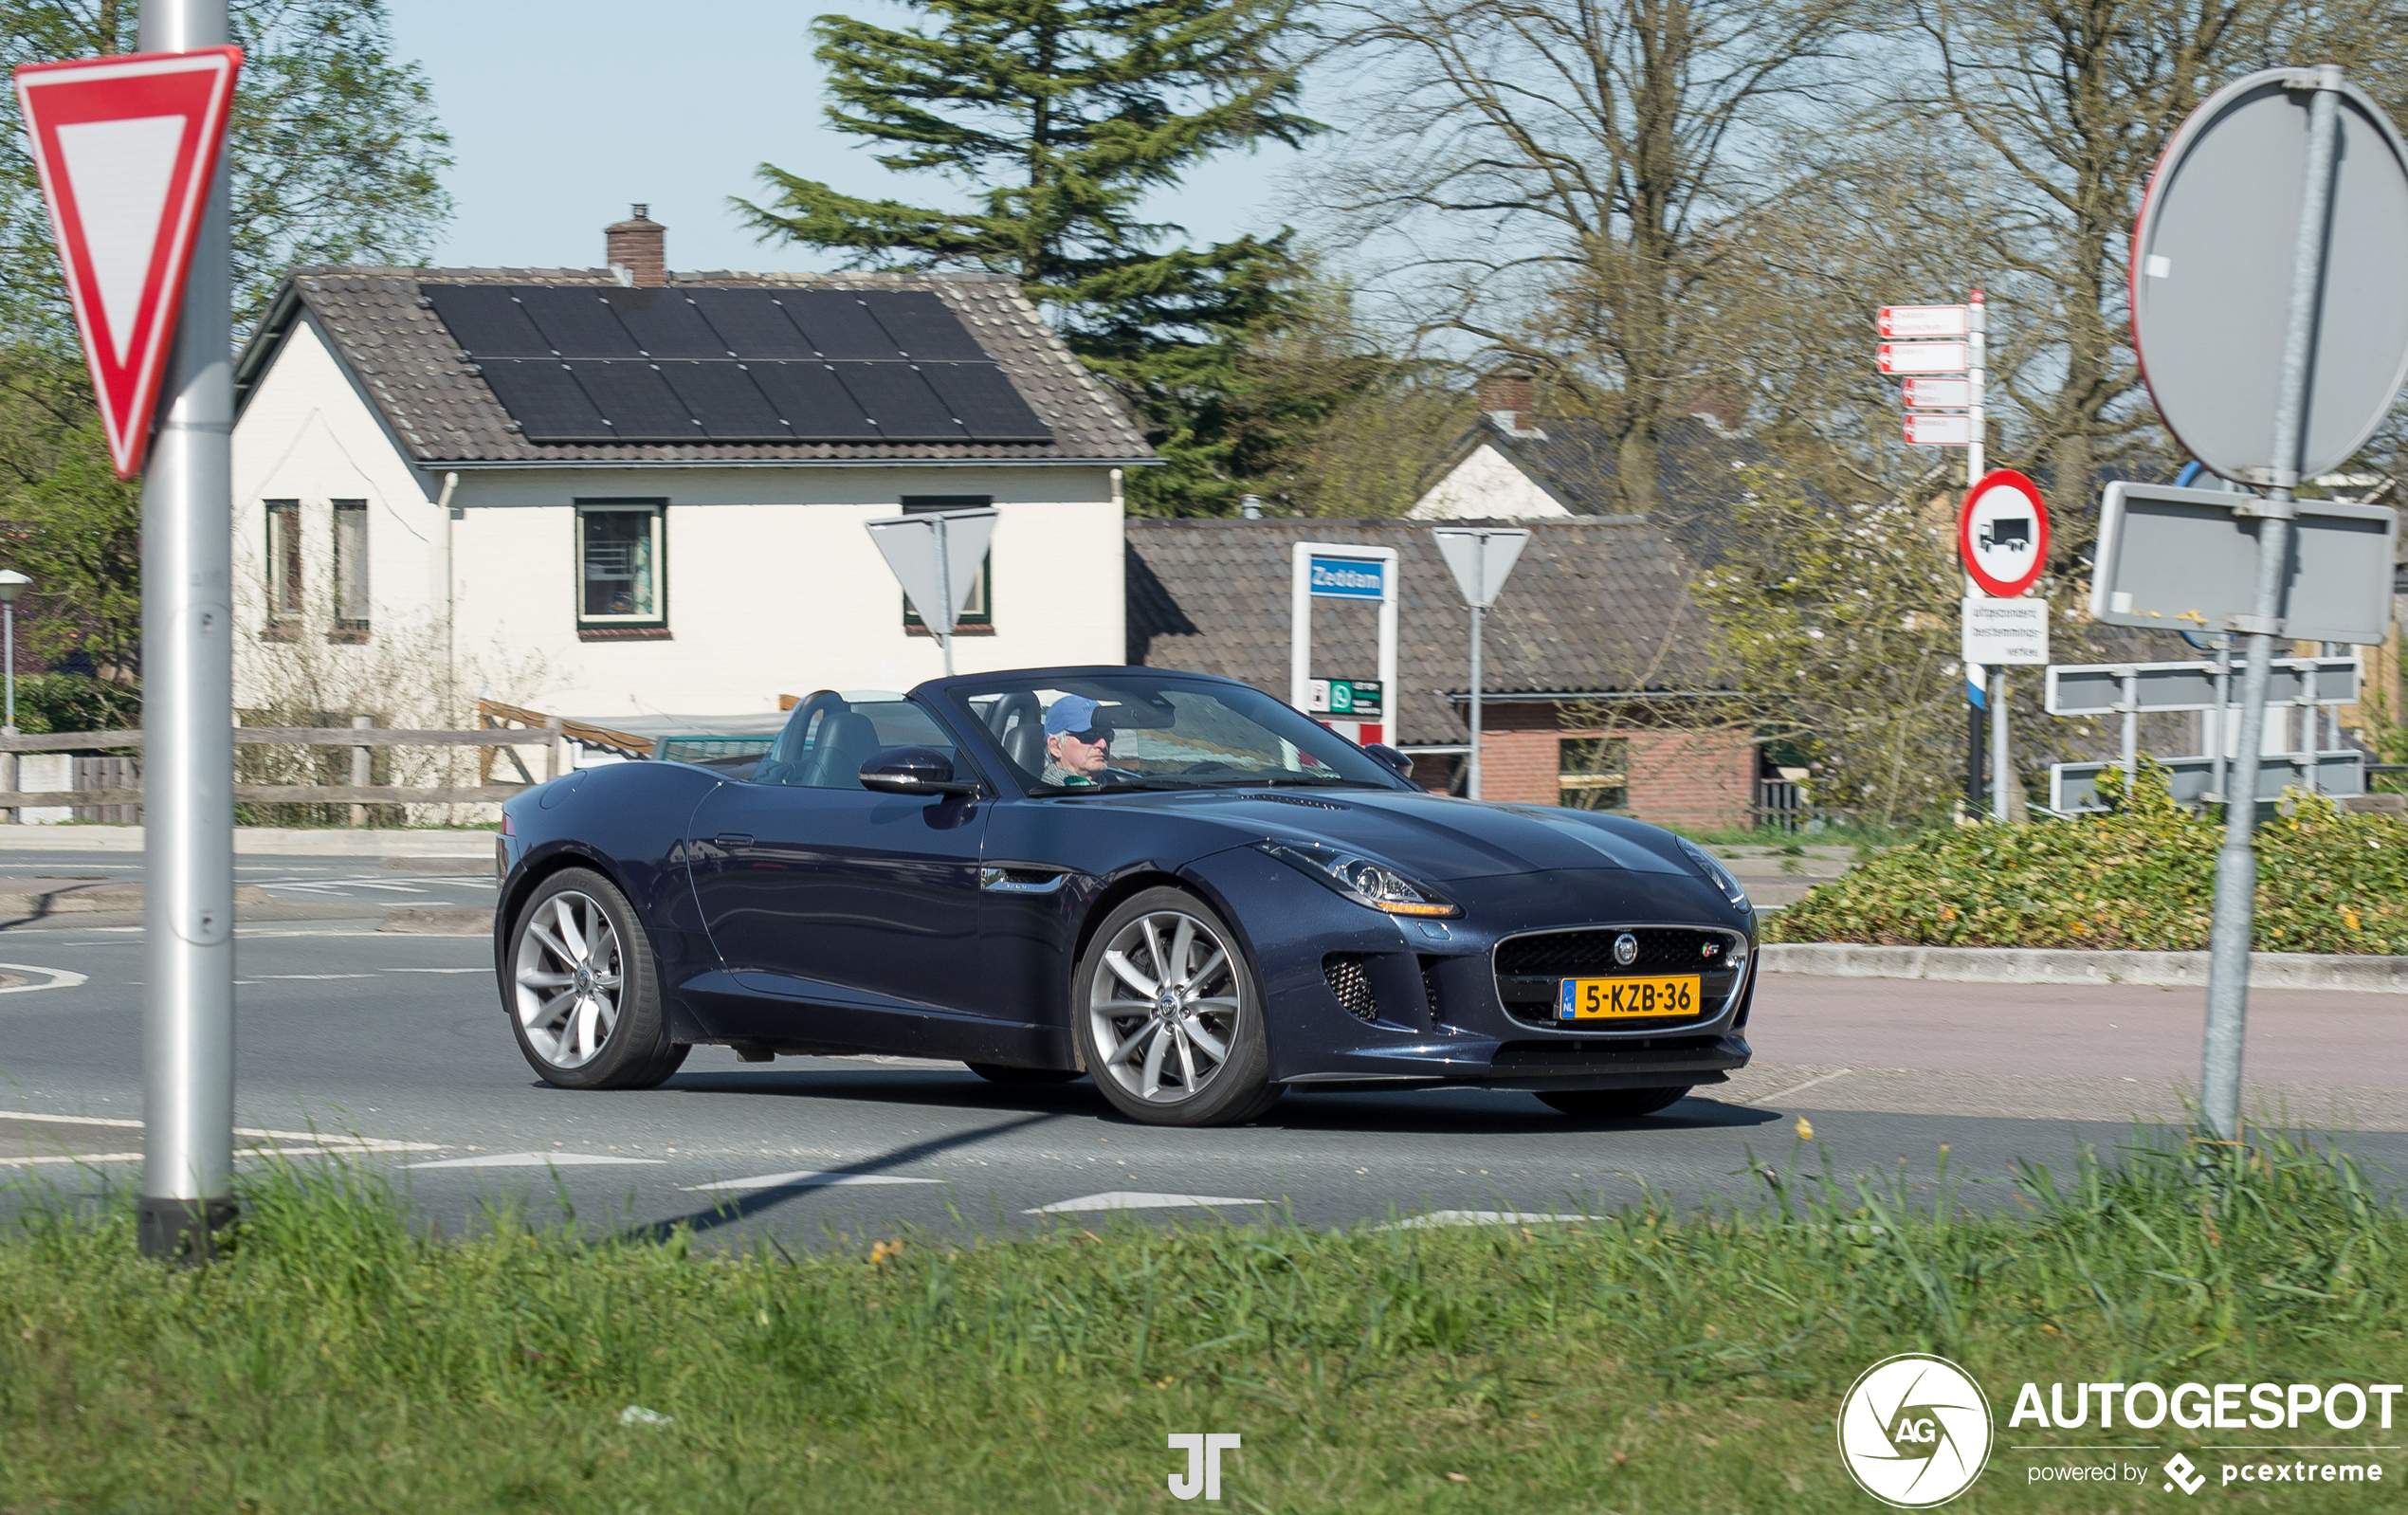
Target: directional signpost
129 152
1482 558
2269 310
935 556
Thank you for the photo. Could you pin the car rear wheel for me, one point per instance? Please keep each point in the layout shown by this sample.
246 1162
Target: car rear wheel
1000 1073
1621 1105
1168 1016
583 992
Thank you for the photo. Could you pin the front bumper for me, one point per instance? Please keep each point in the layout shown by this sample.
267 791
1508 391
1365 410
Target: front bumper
1435 1014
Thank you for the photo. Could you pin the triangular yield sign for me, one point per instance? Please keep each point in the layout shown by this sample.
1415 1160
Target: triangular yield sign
126 147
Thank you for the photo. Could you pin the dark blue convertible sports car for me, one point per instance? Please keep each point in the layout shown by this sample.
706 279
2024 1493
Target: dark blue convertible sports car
1171 882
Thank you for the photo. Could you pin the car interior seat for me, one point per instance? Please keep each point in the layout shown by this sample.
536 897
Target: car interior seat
846 740
1025 745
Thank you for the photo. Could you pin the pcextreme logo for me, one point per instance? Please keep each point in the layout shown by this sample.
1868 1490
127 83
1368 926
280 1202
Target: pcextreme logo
1914 1431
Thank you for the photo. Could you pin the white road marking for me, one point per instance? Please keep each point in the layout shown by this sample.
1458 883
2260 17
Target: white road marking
1477 1217
1783 1094
439 969
805 1180
78 1157
1135 1199
60 978
535 1160
310 977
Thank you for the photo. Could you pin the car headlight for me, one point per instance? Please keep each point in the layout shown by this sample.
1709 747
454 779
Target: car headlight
1364 880
1715 872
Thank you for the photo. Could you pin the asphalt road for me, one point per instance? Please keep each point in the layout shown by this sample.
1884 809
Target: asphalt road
392 1052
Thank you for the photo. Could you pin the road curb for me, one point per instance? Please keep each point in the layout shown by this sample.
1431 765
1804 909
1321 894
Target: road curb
2050 965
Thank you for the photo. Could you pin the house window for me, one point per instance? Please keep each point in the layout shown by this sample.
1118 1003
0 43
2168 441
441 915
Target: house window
621 564
350 569
1593 773
283 563
977 616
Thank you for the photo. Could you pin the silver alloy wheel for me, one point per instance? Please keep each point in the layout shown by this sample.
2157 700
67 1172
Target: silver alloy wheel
568 978
1163 1006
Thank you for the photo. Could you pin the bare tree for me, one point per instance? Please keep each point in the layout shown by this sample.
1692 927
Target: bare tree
1569 175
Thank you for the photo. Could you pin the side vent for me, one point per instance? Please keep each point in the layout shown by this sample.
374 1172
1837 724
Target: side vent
1430 988
1351 982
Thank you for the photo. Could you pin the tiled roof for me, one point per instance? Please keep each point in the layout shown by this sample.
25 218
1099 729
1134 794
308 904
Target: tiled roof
1697 478
443 412
1593 607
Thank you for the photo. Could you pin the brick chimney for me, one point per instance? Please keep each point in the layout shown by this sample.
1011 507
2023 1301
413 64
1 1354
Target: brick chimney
637 250
1508 398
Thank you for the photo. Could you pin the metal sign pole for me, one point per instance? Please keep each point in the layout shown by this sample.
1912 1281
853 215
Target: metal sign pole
1977 465
188 697
1480 574
944 587
2237 863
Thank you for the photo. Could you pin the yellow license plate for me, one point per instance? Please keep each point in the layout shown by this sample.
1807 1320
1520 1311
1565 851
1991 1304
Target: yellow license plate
1628 998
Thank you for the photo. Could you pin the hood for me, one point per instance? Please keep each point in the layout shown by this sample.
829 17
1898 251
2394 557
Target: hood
1434 836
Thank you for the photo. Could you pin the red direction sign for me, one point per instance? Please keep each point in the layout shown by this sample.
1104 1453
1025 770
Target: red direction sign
1922 320
1926 429
126 147
2003 533
1923 357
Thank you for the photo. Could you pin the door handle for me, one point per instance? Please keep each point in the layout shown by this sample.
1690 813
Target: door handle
734 839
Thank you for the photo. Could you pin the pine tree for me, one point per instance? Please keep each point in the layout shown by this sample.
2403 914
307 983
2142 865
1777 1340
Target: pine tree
1060 116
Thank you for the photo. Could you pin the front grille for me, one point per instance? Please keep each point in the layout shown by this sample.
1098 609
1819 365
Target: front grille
1530 970
1637 1055
1590 953
1351 982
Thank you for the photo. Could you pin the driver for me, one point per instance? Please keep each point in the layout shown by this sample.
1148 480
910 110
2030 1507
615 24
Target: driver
1075 746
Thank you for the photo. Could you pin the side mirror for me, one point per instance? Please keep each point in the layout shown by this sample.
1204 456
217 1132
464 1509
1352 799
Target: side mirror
1393 759
914 771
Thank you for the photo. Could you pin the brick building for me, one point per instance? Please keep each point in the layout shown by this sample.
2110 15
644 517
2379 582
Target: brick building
1599 692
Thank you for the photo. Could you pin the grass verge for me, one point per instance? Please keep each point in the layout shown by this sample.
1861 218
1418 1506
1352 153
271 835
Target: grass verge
1663 1359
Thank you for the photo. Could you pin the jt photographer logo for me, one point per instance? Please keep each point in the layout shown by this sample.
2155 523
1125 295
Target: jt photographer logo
1204 1451
1914 1431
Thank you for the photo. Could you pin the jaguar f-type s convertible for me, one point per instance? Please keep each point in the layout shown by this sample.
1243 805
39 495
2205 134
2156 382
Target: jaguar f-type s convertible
1169 883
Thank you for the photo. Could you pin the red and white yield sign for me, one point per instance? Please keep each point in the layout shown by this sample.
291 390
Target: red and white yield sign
2003 533
126 147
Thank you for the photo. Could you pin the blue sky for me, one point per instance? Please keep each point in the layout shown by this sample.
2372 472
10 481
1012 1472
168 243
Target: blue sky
562 115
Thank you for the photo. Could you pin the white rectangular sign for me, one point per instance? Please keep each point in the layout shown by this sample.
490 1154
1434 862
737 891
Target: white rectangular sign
1921 320
1922 357
1937 394
1924 431
2013 632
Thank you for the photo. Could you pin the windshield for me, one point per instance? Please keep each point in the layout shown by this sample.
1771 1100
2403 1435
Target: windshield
1145 731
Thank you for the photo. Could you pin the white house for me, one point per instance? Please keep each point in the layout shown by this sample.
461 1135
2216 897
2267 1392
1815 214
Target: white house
624 491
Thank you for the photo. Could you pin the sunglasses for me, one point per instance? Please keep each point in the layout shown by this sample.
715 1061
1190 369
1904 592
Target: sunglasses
1092 737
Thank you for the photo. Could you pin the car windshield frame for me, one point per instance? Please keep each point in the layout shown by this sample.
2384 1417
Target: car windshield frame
1354 767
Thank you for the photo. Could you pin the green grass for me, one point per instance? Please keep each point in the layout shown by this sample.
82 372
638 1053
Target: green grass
1663 1359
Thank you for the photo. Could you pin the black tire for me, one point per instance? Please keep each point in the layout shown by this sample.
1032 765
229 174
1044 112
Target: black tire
1238 1087
635 1051
999 1073
1614 1104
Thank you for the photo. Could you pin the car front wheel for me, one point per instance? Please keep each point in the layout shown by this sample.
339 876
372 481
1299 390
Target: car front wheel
583 993
1169 1018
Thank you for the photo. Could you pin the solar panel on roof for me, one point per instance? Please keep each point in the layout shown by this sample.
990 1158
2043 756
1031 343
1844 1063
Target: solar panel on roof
544 397
637 402
923 325
723 397
985 403
665 323
576 321
751 323
483 319
837 324
813 403
896 397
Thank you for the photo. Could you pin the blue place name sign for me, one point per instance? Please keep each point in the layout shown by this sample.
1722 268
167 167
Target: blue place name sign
1348 579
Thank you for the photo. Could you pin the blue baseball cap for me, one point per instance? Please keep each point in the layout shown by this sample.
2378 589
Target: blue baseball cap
1072 712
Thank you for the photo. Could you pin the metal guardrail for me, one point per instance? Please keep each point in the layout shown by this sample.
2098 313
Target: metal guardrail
358 738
